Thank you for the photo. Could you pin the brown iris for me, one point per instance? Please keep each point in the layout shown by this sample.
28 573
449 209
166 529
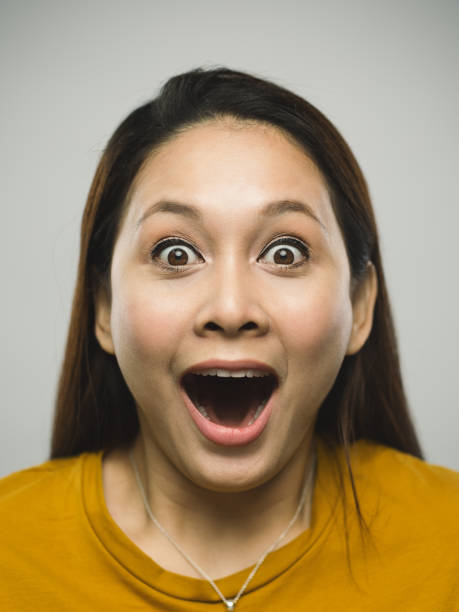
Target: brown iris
177 257
283 256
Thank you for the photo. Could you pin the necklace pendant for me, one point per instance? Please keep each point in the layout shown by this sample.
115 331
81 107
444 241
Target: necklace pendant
229 603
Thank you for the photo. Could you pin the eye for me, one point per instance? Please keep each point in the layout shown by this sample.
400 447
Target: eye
286 252
175 253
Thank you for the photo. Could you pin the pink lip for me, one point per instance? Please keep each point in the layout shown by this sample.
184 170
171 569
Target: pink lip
230 436
238 364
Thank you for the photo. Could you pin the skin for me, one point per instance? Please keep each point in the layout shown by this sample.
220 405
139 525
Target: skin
303 322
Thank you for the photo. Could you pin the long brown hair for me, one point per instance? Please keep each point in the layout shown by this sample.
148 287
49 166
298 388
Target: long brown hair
94 408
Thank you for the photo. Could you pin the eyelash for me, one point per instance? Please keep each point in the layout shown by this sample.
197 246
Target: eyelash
290 240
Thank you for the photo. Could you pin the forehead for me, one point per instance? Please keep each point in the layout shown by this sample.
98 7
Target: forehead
230 166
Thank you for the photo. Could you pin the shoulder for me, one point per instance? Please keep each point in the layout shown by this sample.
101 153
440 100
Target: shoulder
382 461
38 489
406 484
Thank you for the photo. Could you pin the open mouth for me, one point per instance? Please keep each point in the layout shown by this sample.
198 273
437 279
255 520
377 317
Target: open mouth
229 401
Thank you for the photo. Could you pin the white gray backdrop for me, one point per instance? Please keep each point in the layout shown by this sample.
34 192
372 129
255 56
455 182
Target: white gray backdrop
385 72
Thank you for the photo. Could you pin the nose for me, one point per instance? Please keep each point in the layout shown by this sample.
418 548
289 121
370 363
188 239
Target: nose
231 304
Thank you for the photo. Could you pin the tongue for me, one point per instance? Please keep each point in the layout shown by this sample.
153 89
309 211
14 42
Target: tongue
229 402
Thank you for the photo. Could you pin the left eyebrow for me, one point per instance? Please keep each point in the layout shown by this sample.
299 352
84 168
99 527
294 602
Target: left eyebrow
273 209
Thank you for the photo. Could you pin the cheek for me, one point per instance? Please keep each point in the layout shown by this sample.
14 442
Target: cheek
144 325
318 326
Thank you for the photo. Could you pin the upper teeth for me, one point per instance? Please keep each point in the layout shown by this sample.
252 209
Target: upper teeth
231 373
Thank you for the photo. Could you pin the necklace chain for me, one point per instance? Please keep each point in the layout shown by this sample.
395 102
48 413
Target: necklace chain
229 603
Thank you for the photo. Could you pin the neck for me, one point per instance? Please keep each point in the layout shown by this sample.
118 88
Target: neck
204 523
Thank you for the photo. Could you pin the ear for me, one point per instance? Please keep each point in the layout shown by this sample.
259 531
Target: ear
363 304
102 328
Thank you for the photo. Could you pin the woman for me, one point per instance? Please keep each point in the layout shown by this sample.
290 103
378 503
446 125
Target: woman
231 430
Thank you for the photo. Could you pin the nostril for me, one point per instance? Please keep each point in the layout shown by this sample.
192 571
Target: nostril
212 326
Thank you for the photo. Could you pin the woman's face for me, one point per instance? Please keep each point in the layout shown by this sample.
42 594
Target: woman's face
229 253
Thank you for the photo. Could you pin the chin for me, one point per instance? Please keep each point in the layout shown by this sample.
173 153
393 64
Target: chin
231 473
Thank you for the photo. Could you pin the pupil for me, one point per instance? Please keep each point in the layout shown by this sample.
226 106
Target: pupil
283 256
177 257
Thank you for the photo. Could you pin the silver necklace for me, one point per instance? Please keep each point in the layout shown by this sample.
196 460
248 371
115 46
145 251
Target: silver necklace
229 603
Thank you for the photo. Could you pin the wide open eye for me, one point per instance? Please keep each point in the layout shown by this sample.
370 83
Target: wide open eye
286 252
174 252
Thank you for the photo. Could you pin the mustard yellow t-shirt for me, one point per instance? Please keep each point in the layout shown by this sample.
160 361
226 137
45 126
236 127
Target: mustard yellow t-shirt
60 550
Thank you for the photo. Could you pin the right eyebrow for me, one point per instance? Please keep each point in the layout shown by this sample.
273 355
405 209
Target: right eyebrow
187 210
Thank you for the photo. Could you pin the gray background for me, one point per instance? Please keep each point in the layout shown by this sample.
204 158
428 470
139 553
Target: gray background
384 72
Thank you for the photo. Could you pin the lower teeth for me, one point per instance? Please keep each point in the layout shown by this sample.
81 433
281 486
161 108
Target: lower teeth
203 411
257 413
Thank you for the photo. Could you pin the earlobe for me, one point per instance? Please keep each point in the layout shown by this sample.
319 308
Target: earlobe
102 327
363 310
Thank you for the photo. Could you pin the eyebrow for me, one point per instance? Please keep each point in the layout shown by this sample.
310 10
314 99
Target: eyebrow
273 209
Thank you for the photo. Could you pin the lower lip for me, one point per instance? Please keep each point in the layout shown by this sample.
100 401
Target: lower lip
229 436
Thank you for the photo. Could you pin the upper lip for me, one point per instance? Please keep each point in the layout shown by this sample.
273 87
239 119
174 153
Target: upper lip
234 365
